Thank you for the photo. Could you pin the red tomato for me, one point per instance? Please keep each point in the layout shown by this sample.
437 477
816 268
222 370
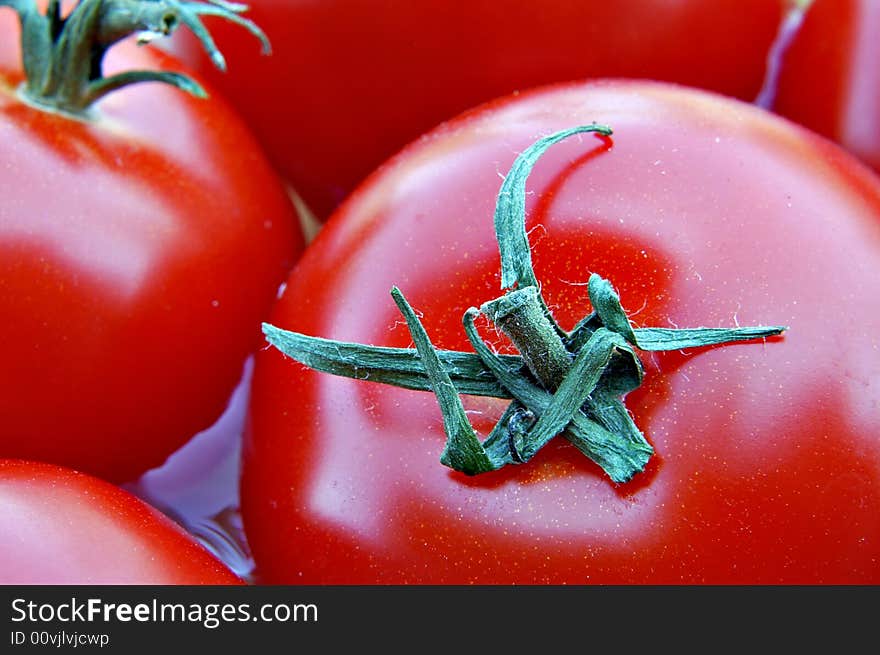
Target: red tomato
701 211
351 82
58 526
830 80
139 250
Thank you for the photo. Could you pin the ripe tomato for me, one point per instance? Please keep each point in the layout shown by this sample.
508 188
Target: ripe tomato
58 526
701 211
830 80
139 249
350 82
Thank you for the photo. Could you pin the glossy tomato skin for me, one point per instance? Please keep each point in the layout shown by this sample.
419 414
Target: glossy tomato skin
58 526
139 250
350 82
830 79
702 212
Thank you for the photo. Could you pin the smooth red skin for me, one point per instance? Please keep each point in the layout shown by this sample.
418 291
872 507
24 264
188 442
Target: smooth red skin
138 253
58 526
702 212
830 79
350 82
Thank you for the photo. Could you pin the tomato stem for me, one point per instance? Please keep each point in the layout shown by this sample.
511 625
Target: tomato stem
63 56
520 316
582 377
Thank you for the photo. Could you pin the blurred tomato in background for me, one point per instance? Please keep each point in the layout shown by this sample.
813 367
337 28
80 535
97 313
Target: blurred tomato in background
350 82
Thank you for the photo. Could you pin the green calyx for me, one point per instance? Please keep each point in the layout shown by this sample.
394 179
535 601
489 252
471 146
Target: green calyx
569 384
63 56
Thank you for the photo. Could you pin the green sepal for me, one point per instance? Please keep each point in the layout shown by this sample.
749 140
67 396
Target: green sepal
606 302
658 339
581 380
620 458
101 87
510 209
190 13
609 313
510 216
399 367
463 451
